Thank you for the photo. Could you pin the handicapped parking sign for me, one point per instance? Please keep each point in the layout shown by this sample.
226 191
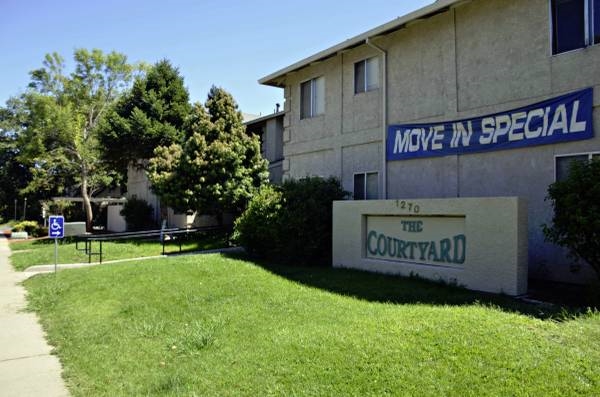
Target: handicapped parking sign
56 226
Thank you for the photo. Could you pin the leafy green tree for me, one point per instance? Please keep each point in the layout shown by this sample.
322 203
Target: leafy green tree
218 168
58 119
14 176
152 114
576 221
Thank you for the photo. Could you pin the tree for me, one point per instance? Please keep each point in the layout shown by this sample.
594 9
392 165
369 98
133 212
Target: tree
576 221
59 118
218 168
152 114
14 176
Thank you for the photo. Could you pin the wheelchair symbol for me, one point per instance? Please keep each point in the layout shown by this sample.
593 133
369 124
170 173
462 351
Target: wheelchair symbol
55 225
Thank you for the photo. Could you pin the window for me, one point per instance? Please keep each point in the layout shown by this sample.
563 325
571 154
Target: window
366 75
575 24
312 98
596 21
366 186
563 163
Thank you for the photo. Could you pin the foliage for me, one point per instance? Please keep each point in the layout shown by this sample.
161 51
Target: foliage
58 207
152 114
57 120
214 326
31 227
219 167
576 221
138 214
14 176
293 222
258 229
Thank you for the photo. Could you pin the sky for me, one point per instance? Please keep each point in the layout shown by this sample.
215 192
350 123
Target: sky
227 43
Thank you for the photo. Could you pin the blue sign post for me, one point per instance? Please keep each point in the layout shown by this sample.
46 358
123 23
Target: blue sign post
56 230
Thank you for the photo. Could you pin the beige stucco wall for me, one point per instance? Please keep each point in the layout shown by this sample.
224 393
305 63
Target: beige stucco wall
115 222
320 145
495 231
273 148
138 186
272 139
270 130
482 57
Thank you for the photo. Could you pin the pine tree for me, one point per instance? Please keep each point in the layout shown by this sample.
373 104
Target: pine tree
153 114
219 167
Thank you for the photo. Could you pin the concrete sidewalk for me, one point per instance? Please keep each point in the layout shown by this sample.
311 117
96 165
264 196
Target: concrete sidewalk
26 366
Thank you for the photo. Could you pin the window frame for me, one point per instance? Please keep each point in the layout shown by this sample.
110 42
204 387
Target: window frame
365 174
588 25
313 98
365 87
590 156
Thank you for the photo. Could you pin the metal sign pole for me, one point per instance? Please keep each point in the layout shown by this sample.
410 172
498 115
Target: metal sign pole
56 230
55 254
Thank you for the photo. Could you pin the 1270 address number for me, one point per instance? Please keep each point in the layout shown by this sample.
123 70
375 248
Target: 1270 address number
407 205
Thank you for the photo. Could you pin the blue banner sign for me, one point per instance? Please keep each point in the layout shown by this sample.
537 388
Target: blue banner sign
564 118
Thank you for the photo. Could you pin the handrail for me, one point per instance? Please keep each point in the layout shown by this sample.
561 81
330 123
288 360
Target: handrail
172 232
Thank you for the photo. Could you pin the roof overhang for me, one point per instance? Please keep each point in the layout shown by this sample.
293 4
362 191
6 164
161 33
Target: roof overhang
262 119
276 79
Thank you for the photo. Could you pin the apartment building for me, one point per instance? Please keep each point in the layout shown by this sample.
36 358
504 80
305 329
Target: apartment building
478 98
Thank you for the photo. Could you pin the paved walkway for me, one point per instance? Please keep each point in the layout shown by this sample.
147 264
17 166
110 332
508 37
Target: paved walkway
26 366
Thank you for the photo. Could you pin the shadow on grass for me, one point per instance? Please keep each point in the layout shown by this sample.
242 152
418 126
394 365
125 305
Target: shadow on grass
374 287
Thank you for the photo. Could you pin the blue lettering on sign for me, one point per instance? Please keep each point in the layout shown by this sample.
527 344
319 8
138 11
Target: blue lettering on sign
560 119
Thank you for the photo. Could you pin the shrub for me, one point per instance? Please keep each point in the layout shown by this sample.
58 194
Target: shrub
257 229
291 223
32 228
138 214
576 221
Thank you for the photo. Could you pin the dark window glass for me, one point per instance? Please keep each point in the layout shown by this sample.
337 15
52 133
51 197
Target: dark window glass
568 22
563 165
359 77
359 186
596 20
306 94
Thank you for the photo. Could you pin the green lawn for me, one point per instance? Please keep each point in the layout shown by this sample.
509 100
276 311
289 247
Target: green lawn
216 326
41 252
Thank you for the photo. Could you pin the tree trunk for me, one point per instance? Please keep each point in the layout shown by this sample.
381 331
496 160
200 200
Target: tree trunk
87 204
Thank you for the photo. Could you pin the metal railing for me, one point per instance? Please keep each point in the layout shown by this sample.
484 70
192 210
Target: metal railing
178 235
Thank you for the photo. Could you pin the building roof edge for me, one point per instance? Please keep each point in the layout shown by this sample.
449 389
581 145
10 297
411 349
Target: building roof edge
437 6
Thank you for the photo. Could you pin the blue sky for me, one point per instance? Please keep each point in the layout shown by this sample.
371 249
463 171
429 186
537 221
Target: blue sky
222 42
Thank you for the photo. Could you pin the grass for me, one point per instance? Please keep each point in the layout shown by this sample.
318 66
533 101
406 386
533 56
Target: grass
41 252
217 326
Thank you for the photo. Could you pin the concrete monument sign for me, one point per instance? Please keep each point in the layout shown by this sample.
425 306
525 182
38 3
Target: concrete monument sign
480 243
